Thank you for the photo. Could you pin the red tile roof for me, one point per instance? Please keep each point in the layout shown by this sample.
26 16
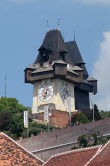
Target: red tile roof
73 158
12 154
102 158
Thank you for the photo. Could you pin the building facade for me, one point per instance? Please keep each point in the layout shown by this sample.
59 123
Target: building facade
59 76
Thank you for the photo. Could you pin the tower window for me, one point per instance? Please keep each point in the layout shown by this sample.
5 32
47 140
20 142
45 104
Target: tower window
29 74
41 64
50 63
61 68
45 56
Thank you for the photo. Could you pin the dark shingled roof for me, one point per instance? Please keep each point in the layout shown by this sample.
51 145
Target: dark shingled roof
91 79
31 67
43 69
60 61
56 49
77 68
54 44
75 56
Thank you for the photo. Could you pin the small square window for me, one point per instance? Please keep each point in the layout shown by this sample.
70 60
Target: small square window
29 74
61 68
50 63
41 64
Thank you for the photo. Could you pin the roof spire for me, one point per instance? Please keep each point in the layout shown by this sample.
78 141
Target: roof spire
74 35
63 36
47 26
58 24
5 84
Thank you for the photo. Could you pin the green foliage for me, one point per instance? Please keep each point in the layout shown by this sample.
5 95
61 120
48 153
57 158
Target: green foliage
101 141
96 113
95 136
82 141
36 128
97 140
4 120
88 113
11 119
82 118
74 147
104 114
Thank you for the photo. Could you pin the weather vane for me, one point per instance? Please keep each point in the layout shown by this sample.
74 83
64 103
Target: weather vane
74 35
47 26
63 36
59 24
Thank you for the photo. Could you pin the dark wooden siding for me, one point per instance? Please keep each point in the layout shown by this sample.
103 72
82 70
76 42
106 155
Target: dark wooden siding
81 99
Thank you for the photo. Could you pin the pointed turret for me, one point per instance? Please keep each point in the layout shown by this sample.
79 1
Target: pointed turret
75 57
52 48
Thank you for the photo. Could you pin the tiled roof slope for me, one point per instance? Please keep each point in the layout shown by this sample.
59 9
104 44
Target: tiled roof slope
73 158
12 154
102 158
53 42
74 55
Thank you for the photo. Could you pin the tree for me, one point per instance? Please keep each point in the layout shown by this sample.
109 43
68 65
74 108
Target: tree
74 147
95 137
82 141
88 113
73 118
104 114
82 118
4 120
96 113
11 116
11 119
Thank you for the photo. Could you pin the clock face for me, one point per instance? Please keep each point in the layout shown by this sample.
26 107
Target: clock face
46 92
65 92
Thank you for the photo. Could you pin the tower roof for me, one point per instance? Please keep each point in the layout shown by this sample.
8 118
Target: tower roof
75 56
53 44
55 48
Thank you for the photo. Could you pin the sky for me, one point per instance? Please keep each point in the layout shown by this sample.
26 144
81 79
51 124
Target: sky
23 25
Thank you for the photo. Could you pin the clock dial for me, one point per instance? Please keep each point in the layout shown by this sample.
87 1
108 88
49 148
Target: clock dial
65 92
46 92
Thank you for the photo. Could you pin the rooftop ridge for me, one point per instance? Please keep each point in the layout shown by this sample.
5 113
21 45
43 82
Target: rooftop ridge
53 30
1 133
72 151
100 150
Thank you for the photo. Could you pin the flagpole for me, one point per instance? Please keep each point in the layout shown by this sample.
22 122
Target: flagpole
48 118
69 108
28 124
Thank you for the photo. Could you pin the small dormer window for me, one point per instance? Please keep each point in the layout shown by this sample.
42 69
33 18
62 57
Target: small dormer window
61 68
62 55
29 73
44 54
79 75
50 63
41 64
45 57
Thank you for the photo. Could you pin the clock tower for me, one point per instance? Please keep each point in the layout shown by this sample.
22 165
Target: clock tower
59 76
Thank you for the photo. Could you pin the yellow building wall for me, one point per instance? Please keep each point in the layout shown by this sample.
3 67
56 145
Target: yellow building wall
56 101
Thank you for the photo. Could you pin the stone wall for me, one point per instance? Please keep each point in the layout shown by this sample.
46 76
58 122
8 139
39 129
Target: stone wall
64 136
58 118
